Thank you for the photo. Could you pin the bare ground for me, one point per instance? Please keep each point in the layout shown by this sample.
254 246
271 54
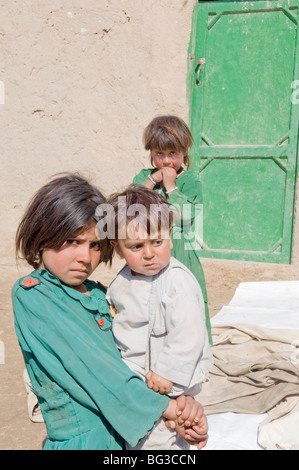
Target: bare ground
17 432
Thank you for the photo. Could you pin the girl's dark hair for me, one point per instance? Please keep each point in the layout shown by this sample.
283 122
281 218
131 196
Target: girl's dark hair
168 133
61 207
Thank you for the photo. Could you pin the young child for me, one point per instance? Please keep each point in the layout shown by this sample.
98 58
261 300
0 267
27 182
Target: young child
159 326
168 139
88 397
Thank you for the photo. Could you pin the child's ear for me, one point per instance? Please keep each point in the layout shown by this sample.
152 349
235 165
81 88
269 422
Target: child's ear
117 248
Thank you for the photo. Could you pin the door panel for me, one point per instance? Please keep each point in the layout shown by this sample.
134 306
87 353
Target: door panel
244 185
242 64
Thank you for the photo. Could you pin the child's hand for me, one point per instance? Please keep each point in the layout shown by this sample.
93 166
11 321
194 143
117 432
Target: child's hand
169 177
157 177
187 417
158 383
198 434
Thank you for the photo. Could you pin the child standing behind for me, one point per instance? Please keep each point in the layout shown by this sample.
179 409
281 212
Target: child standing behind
168 139
160 322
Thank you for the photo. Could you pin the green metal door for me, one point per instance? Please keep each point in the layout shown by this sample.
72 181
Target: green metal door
242 70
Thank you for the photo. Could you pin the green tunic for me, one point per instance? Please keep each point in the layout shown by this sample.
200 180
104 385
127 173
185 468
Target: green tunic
186 197
88 397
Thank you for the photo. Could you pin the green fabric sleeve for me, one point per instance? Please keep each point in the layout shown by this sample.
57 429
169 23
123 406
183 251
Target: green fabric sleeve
186 197
85 362
189 190
142 177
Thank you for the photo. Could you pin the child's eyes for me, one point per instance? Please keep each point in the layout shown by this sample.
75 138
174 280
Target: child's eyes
71 242
135 247
138 246
173 153
157 154
96 245
93 245
154 242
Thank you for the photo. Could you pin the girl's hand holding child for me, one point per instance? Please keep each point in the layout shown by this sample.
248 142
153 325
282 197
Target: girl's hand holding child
188 420
187 417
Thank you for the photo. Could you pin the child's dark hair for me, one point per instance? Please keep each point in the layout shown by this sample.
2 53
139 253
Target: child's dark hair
168 133
153 214
61 207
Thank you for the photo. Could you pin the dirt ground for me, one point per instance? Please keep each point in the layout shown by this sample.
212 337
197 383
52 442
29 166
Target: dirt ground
17 432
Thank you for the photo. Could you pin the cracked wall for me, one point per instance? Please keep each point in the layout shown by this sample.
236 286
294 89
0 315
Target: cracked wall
82 80
79 82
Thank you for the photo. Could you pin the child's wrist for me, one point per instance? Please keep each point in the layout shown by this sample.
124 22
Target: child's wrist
169 191
152 180
171 410
149 184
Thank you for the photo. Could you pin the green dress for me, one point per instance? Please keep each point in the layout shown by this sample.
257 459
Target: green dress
188 197
88 397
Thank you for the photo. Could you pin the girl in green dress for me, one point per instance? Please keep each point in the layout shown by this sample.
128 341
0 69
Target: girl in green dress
88 397
168 139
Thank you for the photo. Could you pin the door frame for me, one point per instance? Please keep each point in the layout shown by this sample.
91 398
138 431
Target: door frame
195 53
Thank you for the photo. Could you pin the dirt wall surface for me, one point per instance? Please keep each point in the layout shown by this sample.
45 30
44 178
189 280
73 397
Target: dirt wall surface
81 81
